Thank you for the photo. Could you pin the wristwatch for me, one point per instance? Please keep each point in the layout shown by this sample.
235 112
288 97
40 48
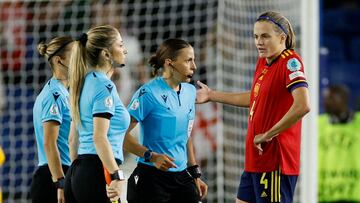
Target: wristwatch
148 155
60 183
117 175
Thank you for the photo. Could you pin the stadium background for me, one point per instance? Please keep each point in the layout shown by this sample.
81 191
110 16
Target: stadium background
221 33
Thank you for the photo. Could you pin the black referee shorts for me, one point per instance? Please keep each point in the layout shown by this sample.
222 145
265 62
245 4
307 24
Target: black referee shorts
42 187
150 185
85 181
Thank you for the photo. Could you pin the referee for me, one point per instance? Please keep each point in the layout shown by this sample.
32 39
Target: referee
52 123
165 108
99 117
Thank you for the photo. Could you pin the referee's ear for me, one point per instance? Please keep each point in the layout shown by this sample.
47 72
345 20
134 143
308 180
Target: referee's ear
106 54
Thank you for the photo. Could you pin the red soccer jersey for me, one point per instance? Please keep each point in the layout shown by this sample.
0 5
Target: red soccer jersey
270 99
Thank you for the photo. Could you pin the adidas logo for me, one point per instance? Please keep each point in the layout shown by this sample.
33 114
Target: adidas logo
263 194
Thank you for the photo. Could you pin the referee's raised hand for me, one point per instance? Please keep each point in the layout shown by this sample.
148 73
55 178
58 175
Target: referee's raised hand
162 161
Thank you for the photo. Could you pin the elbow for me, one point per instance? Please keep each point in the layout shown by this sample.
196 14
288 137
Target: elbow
304 109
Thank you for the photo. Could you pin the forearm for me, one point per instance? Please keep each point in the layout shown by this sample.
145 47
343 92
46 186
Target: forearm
235 99
73 148
105 153
191 152
299 108
73 142
54 161
132 145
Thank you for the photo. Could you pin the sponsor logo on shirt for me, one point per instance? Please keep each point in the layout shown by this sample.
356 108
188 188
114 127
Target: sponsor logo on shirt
135 104
293 64
164 97
56 95
296 74
142 92
109 87
109 102
54 110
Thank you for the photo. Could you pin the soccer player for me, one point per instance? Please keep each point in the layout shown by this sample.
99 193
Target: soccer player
52 124
278 100
99 117
165 108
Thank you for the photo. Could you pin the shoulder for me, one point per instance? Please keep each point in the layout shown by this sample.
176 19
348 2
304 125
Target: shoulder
55 90
291 60
97 83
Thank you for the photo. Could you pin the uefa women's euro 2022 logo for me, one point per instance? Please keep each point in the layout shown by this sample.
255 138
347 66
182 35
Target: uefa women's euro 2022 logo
293 64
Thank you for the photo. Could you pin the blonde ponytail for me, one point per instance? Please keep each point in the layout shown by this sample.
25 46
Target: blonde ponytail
78 70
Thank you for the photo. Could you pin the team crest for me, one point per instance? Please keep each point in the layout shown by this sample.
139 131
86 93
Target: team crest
293 64
54 110
109 102
135 104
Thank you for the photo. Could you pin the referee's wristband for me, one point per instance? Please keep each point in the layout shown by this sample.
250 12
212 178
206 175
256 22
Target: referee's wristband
194 171
60 183
117 175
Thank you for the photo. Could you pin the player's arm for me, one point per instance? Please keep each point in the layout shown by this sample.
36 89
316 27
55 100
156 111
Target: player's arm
161 161
194 169
73 142
51 133
205 94
299 108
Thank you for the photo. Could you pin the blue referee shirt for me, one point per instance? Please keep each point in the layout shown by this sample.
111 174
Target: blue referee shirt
166 118
52 105
99 96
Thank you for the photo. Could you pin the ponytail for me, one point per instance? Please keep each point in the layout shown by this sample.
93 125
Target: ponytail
78 70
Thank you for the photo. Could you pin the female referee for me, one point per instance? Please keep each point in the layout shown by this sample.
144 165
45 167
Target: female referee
99 117
165 108
52 124
278 100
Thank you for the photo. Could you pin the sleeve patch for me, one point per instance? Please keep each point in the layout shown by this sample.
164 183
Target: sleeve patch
109 102
296 74
54 110
293 64
135 104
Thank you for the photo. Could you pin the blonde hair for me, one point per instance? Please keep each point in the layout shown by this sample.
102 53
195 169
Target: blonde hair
86 54
56 47
281 24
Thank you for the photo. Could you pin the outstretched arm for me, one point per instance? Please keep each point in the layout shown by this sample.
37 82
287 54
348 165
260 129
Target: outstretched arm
205 94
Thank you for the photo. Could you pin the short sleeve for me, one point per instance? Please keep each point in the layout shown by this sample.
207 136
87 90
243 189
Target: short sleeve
295 76
52 108
141 104
103 101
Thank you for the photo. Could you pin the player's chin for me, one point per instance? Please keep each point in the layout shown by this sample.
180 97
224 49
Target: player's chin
262 55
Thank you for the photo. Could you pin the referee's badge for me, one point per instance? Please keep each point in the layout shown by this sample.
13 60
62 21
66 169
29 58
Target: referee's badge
109 102
54 110
135 104
293 64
